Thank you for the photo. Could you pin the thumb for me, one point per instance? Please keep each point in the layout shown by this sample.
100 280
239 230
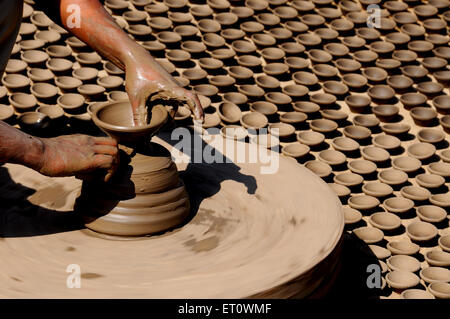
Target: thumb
139 109
192 101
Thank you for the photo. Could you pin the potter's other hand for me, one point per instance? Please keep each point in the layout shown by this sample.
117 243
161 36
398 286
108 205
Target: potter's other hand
144 79
78 155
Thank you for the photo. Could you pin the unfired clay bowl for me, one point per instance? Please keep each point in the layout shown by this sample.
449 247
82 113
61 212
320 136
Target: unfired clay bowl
442 104
348 179
444 242
430 180
361 166
377 189
295 150
437 258
310 138
430 135
442 200
416 294
351 215
406 164
229 112
392 177
403 247
398 205
402 279
403 263
235 132
435 274
440 290
421 150
369 235
357 132
375 154
22 102
33 122
388 142
332 157
421 231
293 118
320 169
254 120
431 213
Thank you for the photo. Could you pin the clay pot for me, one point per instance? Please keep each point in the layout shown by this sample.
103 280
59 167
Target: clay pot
59 66
85 74
278 98
112 69
306 107
332 157
430 180
48 36
415 72
445 156
421 150
441 200
235 98
27 30
442 76
54 112
323 125
234 132
210 63
420 46
437 39
357 132
353 42
319 168
296 63
276 69
180 17
403 262
335 88
425 11
263 40
381 93
375 154
404 17
268 19
240 72
267 82
178 56
340 190
254 120
249 61
72 103
386 112
434 63
6 113
223 54
206 89
134 16
423 116
110 82
369 235
305 78
67 83
368 34
413 99
348 179
293 118
221 81
232 34
186 31
399 82
329 13
34 122
403 247
169 38
16 82
58 51
354 80
209 26
326 33
385 221
40 19
226 19
31 44
357 103
377 189
229 112
421 231
398 205
211 120
195 74
347 65
392 177
433 25
442 52
245 47
440 290
218 5
437 258
281 34
342 25
365 56
34 58
351 216
281 130
388 64
201 11
310 138
296 26
115 96
398 38
266 108
252 27
445 122
295 91
324 70
44 92
242 12
406 164
160 23
396 128
431 213
444 242
309 39
91 91
375 74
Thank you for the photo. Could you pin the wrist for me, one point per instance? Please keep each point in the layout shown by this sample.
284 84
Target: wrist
33 155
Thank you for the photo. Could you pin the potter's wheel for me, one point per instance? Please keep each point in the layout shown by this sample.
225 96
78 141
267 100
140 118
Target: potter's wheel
253 235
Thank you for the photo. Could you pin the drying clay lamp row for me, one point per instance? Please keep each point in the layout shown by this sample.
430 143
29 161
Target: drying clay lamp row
145 195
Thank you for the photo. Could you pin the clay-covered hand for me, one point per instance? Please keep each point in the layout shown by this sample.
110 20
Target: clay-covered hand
149 77
79 155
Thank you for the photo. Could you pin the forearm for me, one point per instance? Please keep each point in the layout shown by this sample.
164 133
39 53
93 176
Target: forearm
20 148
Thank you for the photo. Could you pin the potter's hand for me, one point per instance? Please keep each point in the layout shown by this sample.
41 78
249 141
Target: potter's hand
78 155
144 79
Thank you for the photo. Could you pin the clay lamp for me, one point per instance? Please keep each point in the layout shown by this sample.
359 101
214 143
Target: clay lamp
154 47
48 36
444 243
72 103
342 25
267 82
206 90
296 63
421 231
209 26
249 61
403 262
369 235
323 99
85 74
326 34
292 48
417 193
112 69
58 51
412 71
332 157
235 98
420 46
282 130
423 116
272 54
393 177
437 258
211 120
281 34
442 52
340 190
264 140
329 13
362 167
232 34
263 40
430 180
335 88
34 58
368 34
180 17
382 47
59 66
218 5
31 44
377 189
413 99
310 138
405 56
213 40
223 54
381 92
347 65
229 112
194 74
44 92
240 72
91 91
295 91
433 25
386 112
312 20
355 81
430 88
345 144
404 17
434 63
375 154
323 125
115 96
242 12
437 39
319 168
244 47
319 56
425 11
234 132
169 38
85 58
296 26
134 16
256 5
193 47
354 42
6 113
110 82
16 82
349 6
54 112
309 39
178 56
67 83
254 120
186 31
421 150
305 78
201 11
445 155
324 70
445 122
222 81
403 247
348 179
306 107
357 132
435 274
398 205
27 30
285 12
398 38
365 56
400 83
226 19
160 23
442 76
252 27
117 5
375 74
278 98
396 128
294 118
431 213
430 135
34 122
385 221
440 168
406 164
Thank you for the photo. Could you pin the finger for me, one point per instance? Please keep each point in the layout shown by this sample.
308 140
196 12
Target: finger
102 161
105 141
197 108
106 150
138 108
